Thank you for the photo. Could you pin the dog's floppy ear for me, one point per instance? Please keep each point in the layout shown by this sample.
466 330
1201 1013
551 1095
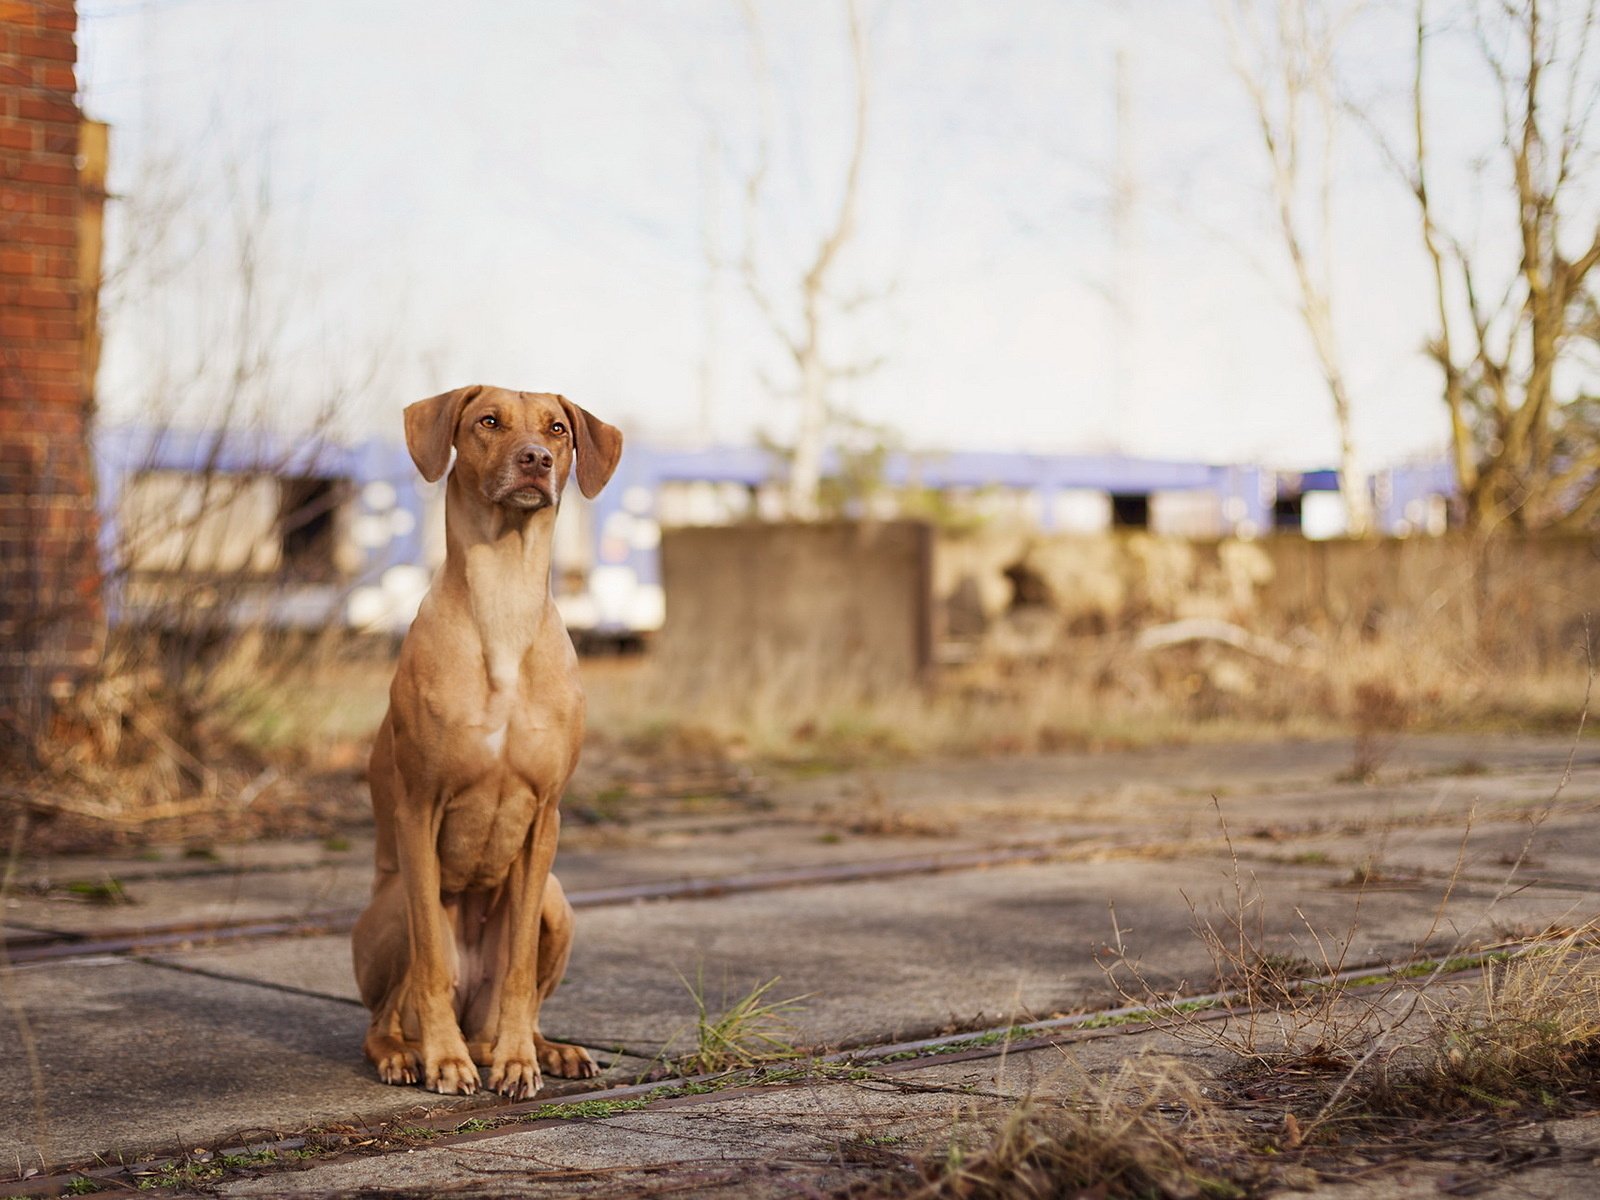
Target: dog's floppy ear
599 447
431 429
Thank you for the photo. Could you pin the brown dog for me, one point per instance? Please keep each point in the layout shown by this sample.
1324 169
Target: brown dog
468 931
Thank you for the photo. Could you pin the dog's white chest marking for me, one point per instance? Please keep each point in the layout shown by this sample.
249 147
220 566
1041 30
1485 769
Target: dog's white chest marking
496 740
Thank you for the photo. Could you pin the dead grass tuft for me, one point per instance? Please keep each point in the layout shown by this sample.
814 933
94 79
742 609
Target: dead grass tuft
1380 714
1530 1032
1148 1132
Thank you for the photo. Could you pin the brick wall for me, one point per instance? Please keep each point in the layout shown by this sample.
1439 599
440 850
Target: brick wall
50 617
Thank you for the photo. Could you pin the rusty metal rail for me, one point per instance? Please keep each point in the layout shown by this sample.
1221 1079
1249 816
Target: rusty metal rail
36 946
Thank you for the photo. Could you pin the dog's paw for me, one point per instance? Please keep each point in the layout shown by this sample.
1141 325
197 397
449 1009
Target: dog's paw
452 1074
516 1078
398 1068
396 1062
569 1062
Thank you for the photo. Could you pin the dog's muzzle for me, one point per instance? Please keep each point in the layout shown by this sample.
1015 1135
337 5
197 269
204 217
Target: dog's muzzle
527 480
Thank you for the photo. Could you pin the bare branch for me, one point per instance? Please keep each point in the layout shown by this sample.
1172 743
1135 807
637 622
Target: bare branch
1293 71
857 370
755 182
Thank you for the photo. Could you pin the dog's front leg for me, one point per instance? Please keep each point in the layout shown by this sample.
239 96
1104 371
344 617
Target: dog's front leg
426 995
514 1069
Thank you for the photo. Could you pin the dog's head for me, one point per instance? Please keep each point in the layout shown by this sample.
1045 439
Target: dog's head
515 449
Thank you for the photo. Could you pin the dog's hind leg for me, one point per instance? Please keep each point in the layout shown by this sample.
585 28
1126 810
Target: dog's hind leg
555 948
380 954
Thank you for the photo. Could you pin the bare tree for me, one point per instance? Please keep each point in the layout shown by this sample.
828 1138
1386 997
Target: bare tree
1283 53
196 556
803 325
1515 317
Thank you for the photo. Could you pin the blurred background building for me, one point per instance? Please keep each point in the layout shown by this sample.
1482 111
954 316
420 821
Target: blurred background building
306 532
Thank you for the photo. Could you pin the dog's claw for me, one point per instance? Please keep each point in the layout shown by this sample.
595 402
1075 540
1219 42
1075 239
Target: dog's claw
516 1080
395 1062
453 1076
396 1073
567 1061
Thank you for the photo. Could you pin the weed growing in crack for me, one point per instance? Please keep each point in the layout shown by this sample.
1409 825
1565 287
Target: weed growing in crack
751 1031
1272 1010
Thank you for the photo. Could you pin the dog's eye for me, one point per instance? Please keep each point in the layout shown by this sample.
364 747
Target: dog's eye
558 429
489 422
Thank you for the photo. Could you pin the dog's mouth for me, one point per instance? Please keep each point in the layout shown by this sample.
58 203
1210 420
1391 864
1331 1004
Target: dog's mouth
526 494
529 496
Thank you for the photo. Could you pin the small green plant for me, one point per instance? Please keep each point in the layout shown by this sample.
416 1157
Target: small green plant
82 1185
752 1031
257 1158
879 1139
588 1109
414 1133
107 891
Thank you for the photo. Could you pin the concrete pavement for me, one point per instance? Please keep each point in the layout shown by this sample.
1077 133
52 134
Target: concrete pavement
206 1045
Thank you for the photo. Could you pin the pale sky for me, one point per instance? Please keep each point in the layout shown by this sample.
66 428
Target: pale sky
522 193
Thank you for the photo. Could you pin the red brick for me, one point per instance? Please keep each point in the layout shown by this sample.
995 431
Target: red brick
15 200
49 108
25 13
37 361
59 140
42 230
37 326
57 391
35 297
36 404
56 45
57 77
58 174
21 414
56 262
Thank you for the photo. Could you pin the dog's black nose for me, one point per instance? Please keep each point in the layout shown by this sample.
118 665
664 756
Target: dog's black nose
535 458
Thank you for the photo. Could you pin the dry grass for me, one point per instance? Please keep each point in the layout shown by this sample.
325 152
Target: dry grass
752 1030
264 735
1090 694
1388 1065
1148 1131
1530 1031
1522 1040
